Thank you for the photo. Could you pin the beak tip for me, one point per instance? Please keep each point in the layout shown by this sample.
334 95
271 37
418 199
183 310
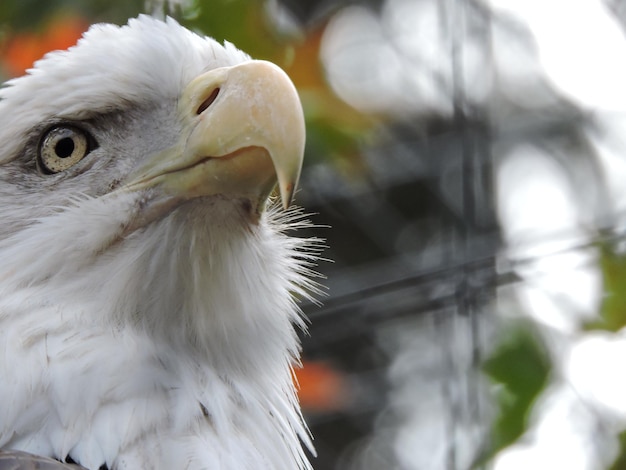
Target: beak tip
286 193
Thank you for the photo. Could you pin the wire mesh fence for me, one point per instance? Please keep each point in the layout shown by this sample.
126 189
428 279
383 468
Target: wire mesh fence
422 270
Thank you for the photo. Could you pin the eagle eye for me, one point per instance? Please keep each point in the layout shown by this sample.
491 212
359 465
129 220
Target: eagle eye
63 147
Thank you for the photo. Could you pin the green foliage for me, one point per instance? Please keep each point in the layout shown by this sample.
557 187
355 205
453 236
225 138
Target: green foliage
613 309
612 315
519 368
620 462
326 140
32 14
242 22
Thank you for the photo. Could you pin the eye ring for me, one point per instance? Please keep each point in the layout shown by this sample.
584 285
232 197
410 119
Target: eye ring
62 147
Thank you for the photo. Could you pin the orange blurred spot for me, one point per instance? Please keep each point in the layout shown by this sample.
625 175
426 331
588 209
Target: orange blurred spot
64 32
320 387
319 100
306 70
20 51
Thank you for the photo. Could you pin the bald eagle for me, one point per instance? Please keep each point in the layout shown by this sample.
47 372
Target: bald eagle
147 286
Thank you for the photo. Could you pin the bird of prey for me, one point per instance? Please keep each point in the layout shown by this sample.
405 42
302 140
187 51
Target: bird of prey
148 287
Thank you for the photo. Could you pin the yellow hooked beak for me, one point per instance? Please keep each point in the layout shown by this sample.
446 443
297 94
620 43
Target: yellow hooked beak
242 131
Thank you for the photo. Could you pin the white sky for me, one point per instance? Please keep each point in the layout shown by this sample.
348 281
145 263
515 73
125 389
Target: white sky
579 45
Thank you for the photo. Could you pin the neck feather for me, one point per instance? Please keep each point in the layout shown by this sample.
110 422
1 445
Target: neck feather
209 292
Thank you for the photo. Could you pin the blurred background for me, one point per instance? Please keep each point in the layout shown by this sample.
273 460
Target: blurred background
465 162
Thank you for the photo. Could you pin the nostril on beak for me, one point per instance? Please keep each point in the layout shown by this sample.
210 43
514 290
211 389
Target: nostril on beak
208 101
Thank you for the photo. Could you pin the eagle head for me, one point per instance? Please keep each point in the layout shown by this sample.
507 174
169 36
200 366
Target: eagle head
147 285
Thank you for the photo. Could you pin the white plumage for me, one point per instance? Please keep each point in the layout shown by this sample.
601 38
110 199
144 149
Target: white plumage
140 329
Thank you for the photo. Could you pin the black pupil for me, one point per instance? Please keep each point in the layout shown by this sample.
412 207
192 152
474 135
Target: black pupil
64 147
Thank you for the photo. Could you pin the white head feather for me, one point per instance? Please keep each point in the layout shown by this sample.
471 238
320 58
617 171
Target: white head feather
164 346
